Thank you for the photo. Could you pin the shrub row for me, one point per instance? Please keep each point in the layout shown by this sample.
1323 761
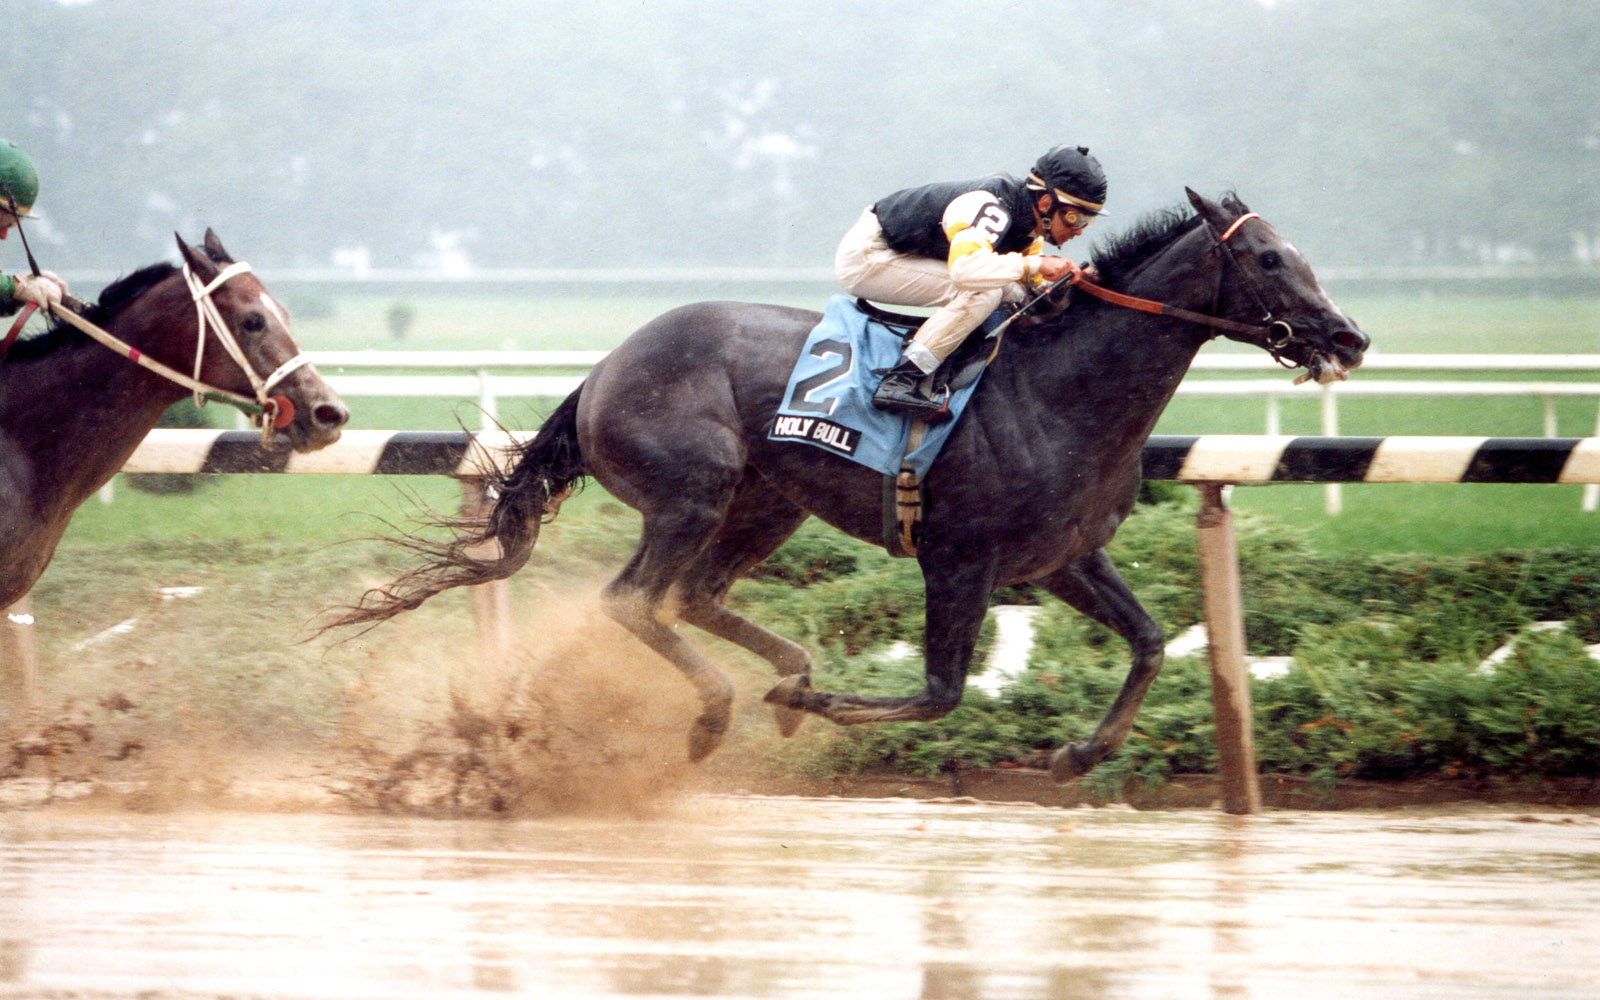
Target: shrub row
1387 678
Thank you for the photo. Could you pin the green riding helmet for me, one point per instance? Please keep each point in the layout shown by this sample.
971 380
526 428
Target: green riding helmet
18 179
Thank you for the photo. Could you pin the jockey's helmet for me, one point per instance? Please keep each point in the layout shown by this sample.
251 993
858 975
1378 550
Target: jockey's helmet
17 178
1072 178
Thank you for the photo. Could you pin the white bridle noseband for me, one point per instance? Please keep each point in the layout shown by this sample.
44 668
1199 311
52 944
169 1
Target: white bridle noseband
209 319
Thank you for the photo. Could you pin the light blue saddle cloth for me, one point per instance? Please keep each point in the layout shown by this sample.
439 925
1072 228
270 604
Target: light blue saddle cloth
828 401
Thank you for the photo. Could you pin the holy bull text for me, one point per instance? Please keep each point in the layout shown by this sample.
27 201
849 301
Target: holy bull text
825 432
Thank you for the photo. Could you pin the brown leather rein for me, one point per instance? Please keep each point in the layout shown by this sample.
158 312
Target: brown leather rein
1275 335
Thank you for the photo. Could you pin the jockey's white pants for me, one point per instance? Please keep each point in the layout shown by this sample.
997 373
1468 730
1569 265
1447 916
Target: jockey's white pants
866 266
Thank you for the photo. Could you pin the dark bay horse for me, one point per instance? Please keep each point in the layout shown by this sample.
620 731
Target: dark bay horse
1032 484
73 410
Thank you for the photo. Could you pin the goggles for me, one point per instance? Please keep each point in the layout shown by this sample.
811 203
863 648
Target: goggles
1075 217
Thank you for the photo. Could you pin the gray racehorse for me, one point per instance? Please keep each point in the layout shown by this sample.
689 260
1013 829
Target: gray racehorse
1032 484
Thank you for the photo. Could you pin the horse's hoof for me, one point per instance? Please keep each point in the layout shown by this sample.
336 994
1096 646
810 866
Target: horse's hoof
787 694
705 736
1071 761
789 720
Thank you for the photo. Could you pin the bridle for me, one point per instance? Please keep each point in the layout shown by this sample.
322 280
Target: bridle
1274 335
1273 345
208 316
267 410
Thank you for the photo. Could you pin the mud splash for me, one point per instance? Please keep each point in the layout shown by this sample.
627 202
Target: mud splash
574 716
571 715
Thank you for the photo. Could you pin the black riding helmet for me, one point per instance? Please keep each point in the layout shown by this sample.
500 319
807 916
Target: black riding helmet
1072 178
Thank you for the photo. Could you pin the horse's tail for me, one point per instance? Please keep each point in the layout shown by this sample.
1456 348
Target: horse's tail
490 545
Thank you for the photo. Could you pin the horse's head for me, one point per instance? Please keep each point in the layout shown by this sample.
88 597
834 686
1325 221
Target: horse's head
1266 280
308 414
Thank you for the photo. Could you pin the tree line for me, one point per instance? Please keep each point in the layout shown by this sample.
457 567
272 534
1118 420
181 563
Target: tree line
618 132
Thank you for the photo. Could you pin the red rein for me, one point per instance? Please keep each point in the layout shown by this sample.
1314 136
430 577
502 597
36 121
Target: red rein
16 328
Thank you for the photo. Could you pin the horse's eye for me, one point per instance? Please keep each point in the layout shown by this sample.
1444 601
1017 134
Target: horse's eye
1270 261
254 323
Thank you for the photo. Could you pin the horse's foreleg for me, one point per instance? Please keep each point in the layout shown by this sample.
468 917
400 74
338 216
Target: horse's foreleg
956 602
1093 586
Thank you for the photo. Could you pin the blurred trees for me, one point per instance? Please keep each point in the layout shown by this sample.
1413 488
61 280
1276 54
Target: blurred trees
543 133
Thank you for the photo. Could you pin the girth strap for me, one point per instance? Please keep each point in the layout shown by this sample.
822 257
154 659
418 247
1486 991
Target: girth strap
902 501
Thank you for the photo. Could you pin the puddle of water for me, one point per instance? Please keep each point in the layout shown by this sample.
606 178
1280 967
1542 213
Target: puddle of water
780 897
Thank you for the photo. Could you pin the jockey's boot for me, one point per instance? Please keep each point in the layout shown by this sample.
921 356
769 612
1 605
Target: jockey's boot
897 393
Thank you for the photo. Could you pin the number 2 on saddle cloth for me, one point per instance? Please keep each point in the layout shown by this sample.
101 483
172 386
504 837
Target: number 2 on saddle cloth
828 400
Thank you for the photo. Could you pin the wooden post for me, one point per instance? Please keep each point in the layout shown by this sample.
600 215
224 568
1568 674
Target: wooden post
491 602
1230 680
1591 492
19 669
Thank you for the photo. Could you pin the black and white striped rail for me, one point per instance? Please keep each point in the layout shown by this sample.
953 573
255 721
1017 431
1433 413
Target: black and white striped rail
382 453
1228 458
1219 458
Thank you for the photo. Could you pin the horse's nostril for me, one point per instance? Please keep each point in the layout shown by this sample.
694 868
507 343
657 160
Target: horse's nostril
330 415
1351 340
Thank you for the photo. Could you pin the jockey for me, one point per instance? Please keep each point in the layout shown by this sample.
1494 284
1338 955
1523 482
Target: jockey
19 186
966 247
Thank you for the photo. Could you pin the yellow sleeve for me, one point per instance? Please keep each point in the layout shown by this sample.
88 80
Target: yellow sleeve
1031 257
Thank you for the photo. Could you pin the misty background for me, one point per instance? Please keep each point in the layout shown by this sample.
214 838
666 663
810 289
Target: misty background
454 137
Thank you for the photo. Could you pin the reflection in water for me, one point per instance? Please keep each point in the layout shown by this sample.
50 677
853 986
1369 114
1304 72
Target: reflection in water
1236 842
792 898
13 957
944 932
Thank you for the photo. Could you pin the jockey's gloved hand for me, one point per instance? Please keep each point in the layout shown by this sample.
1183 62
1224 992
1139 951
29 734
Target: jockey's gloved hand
43 289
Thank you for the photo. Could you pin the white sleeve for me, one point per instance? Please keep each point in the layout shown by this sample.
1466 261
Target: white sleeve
973 222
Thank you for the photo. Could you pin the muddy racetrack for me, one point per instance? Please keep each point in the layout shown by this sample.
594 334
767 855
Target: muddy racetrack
530 827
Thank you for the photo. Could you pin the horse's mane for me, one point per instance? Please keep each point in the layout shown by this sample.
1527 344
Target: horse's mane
117 296
1120 255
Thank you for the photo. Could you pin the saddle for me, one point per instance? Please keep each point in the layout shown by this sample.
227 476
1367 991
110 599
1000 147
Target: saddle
964 365
827 402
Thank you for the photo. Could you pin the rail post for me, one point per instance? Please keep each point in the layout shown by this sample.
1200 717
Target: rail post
1332 493
1230 680
19 670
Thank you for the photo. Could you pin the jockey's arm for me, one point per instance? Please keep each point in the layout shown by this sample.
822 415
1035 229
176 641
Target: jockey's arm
973 222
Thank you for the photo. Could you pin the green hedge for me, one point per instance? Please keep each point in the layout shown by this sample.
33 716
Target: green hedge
1386 680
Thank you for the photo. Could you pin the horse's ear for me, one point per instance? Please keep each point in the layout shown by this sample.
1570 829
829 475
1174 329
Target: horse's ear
215 245
1208 209
198 262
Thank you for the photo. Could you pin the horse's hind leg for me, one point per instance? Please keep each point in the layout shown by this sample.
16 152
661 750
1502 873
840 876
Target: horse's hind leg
757 521
637 600
1093 586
